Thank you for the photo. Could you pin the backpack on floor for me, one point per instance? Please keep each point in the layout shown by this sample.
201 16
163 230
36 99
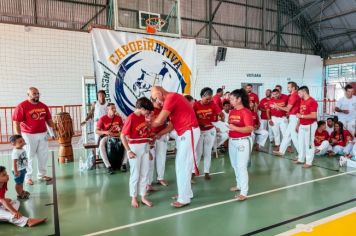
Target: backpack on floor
115 151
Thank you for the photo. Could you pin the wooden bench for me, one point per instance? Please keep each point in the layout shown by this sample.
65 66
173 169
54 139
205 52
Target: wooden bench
93 147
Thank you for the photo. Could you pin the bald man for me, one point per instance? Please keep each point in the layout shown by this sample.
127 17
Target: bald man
30 118
185 123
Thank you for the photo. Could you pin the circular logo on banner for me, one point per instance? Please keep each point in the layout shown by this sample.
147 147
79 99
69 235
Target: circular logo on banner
140 70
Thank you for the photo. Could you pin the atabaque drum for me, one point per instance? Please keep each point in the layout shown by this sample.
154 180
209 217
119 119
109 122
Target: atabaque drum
64 129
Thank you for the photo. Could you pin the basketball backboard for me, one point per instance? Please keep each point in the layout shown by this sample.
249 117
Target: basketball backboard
131 16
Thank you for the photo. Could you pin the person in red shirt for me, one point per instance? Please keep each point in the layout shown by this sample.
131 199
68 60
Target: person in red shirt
283 96
321 140
252 96
306 127
259 135
292 109
9 209
240 141
217 98
108 126
340 140
185 123
206 112
190 99
226 97
135 137
276 117
263 106
31 119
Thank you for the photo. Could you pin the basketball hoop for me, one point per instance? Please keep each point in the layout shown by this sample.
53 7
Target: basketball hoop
153 24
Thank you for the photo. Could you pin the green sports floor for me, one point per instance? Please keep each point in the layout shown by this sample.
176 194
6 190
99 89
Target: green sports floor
281 196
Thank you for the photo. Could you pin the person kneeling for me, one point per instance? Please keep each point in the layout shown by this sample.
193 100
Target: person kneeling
321 139
9 209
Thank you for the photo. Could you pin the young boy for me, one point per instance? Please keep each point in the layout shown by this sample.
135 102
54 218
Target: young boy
19 165
135 137
9 209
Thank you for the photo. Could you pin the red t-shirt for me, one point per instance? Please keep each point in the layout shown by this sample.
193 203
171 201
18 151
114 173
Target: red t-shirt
280 102
33 117
255 119
294 100
284 96
253 98
182 114
240 118
158 129
264 105
136 127
106 123
217 101
320 137
307 107
340 141
206 114
3 190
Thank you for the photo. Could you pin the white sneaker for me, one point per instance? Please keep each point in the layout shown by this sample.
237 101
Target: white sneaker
342 161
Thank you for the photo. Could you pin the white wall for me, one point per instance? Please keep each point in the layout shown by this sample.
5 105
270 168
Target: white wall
274 68
52 60
55 61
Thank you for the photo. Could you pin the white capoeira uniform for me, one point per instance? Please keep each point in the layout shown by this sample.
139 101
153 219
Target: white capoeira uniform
263 118
324 147
221 137
345 147
240 147
159 155
279 127
6 216
259 136
306 132
291 132
184 121
204 147
139 169
348 120
184 165
265 126
99 111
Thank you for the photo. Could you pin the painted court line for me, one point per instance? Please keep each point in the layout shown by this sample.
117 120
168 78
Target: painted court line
215 173
211 205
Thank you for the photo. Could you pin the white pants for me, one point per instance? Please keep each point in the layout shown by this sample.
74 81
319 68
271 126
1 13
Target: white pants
37 145
340 150
306 135
159 154
104 155
204 147
139 167
290 134
239 152
6 216
260 137
324 147
349 125
264 125
96 137
184 163
280 125
353 153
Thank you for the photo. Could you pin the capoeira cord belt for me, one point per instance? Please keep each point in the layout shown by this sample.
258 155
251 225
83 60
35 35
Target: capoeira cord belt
196 170
140 139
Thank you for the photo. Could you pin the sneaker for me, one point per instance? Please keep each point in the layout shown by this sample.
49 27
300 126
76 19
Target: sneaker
342 161
110 170
124 168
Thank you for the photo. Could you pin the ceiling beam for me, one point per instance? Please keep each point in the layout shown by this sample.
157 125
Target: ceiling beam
331 36
327 18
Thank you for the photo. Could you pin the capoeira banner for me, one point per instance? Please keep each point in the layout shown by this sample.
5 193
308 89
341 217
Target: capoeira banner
127 65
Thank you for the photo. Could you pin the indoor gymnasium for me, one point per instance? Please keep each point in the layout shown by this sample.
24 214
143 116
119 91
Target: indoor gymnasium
177 117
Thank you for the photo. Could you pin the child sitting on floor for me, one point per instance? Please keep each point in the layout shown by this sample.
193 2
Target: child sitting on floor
9 208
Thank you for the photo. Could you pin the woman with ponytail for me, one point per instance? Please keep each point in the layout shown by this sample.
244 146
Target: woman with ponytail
240 141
